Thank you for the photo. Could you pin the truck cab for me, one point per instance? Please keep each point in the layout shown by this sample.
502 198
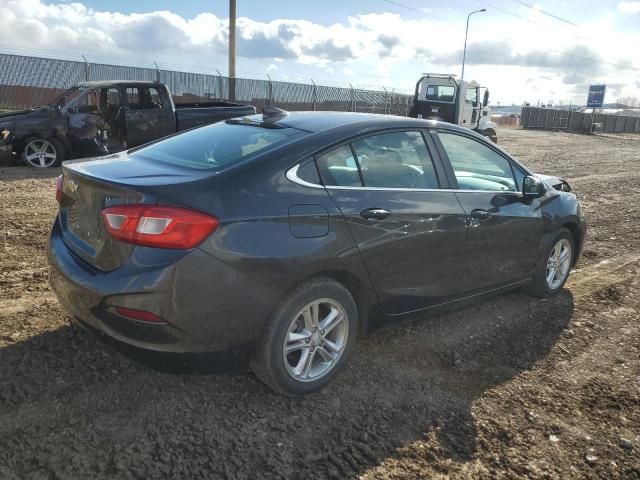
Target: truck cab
445 98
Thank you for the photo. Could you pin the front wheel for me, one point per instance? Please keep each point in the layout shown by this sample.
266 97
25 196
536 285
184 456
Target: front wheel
308 338
553 268
43 152
491 134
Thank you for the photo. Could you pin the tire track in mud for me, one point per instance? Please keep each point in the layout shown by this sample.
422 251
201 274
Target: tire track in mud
605 274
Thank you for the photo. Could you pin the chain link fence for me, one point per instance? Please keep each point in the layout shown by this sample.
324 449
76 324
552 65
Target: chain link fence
27 82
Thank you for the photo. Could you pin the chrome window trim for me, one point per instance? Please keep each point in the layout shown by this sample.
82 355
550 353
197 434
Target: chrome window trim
291 174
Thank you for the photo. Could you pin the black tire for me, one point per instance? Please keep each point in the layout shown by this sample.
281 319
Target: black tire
491 134
539 286
57 146
269 362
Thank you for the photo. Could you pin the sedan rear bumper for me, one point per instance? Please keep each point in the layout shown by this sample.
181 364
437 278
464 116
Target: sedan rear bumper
207 306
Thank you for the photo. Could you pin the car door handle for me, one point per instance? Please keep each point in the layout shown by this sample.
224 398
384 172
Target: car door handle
375 213
480 214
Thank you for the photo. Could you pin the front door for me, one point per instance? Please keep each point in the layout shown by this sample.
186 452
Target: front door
505 229
470 108
86 125
114 130
409 232
148 116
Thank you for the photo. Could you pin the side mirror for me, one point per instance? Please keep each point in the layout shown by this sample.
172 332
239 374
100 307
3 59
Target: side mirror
532 187
485 102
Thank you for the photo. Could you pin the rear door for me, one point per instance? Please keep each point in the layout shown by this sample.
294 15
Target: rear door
149 115
505 230
409 231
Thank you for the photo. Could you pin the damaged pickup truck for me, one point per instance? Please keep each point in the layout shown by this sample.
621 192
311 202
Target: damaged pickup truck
98 118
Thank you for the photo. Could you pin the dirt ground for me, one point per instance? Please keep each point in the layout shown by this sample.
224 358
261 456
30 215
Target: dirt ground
511 388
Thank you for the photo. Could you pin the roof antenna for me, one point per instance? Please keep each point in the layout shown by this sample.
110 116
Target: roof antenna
273 112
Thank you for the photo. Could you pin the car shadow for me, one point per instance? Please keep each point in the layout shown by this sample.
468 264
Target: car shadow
72 408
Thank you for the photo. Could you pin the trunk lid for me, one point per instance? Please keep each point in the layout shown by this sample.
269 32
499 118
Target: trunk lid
89 186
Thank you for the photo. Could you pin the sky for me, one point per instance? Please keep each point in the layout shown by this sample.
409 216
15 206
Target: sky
521 50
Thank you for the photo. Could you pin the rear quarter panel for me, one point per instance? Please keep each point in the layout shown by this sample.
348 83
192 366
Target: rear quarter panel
257 207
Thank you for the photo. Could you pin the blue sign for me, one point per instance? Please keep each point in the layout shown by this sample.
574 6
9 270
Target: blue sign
596 96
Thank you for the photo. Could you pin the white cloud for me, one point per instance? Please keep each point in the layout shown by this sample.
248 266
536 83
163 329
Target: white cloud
632 6
368 49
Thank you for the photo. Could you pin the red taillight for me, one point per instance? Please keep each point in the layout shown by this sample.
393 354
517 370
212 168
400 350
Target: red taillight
158 226
59 181
141 315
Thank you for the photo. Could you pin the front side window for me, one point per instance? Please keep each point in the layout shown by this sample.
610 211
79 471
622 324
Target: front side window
471 97
89 102
155 99
476 166
217 146
395 160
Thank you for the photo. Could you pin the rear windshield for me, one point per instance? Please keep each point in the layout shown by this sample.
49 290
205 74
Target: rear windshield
217 146
440 93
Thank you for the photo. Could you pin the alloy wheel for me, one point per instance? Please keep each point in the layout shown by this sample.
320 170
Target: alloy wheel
315 340
559 263
40 153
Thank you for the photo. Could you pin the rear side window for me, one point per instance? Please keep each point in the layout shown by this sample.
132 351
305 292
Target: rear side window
395 160
133 98
217 146
338 167
308 173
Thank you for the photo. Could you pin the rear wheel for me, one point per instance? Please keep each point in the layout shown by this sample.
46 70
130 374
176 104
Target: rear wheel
308 338
554 266
43 152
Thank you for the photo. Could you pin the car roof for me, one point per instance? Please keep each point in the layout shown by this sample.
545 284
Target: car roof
322 121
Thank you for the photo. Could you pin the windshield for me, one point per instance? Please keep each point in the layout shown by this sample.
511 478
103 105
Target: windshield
217 146
63 99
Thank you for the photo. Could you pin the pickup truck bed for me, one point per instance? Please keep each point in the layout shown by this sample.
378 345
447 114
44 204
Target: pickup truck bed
190 115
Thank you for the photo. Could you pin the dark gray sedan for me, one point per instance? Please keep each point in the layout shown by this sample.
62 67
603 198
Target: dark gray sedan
288 234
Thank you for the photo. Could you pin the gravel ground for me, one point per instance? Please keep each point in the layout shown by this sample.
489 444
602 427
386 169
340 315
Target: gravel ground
513 387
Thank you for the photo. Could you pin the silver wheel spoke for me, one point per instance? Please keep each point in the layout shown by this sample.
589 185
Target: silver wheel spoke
329 322
32 156
308 363
50 155
326 355
43 163
299 368
297 341
331 346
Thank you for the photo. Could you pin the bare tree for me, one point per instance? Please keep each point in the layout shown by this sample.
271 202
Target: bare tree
629 101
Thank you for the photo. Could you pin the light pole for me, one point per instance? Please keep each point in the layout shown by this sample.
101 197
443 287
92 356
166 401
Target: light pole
232 50
464 52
